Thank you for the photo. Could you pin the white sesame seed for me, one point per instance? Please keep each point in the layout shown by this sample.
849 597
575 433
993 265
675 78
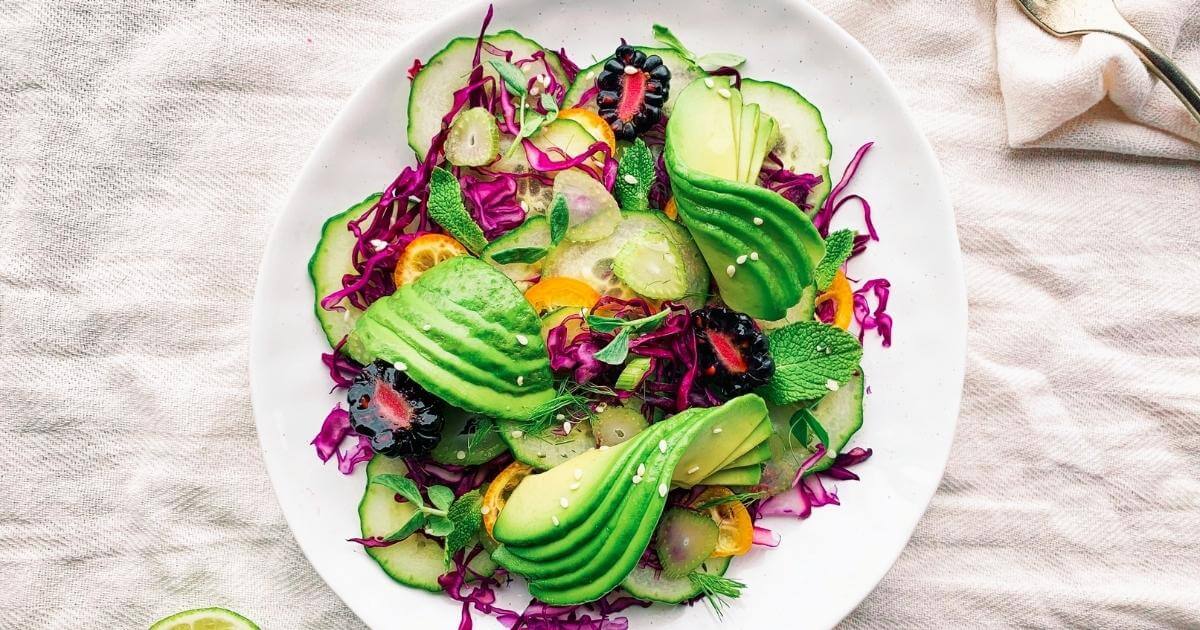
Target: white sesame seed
517 434
662 446
637 479
708 83
427 327
461 455
753 255
566 428
601 408
379 245
400 366
724 93
831 385
578 473
542 455
758 221
693 470
630 70
717 430
524 206
523 340
554 519
563 502
630 179
575 485
535 90
560 416
641 469
520 381
741 260
485 509
662 489
730 270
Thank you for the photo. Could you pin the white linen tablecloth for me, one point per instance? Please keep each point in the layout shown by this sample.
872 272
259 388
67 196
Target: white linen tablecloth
145 149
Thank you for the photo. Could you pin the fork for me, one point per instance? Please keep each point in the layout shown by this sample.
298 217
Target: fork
1066 18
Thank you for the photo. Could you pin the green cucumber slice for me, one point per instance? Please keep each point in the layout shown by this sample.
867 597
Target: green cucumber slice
474 138
652 266
594 213
617 424
329 262
840 413
459 431
683 72
648 583
417 561
533 233
803 140
686 539
548 448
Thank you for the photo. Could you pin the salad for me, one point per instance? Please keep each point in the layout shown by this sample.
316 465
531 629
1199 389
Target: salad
599 334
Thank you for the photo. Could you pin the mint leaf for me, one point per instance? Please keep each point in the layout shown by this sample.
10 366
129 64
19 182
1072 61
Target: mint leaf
447 210
635 176
712 61
402 486
616 350
511 75
664 35
560 219
549 104
440 496
438 526
414 523
467 520
837 250
809 357
527 255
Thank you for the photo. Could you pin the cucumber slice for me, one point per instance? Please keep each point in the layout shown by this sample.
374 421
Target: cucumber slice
567 136
593 262
205 619
533 233
457 434
548 448
804 143
632 374
617 424
474 138
432 93
417 561
682 70
686 539
840 413
555 318
648 583
330 261
594 213
652 266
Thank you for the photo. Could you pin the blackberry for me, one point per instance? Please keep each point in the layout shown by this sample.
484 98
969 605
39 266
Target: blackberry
732 350
393 411
633 89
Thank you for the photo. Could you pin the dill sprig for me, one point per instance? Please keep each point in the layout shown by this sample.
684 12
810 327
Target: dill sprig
742 497
716 589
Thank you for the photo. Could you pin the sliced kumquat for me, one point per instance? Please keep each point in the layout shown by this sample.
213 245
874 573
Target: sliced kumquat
498 492
423 253
842 296
671 210
551 293
735 530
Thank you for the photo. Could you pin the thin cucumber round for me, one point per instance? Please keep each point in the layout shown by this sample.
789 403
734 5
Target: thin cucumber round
651 265
617 424
458 433
534 232
417 561
548 448
685 539
683 72
841 415
330 261
648 583
592 210
804 142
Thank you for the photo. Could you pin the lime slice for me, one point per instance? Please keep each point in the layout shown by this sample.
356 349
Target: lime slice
205 619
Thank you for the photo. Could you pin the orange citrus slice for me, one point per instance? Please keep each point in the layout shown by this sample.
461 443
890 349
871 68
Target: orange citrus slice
552 293
671 210
843 300
593 123
498 492
423 253
735 530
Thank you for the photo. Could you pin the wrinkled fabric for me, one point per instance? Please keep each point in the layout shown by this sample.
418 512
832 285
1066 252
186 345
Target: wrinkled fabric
147 147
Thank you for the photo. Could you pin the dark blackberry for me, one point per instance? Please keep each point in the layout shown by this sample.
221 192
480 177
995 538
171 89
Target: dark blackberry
733 354
393 411
633 88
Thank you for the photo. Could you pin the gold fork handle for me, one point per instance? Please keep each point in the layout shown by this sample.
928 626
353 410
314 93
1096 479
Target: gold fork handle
1168 71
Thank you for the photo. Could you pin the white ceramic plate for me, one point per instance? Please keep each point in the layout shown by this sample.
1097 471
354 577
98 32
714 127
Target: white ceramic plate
826 564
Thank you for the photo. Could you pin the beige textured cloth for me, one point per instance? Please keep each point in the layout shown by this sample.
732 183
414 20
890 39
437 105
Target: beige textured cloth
1093 92
145 148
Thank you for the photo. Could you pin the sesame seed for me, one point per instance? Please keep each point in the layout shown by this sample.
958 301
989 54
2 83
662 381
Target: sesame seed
485 509
535 90
560 416
563 502
575 485
427 327
630 70
601 408
630 179
566 428
542 455
758 221
724 93
730 270
741 260
517 434
520 380
717 430
708 83
753 255
641 469
579 473
662 489
693 470
554 519
523 340
831 385
461 455
637 479
379 245
662 446
400 366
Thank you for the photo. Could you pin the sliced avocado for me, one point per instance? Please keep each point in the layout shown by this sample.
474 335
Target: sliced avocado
458 329
756 455
765 139
761 433
747 134
738 419
743 476
709 135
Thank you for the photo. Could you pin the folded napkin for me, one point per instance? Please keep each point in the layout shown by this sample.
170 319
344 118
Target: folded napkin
1093 92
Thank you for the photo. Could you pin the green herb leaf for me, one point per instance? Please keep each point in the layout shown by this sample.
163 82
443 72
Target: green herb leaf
837 250
664 35
527 255
464 513
811 359
600 323
447 210
402 486
712 61
802 423
716 589
549 104
440 496
635 176
483 426
438 526
740 497
511 75
616 350
414 523
560 219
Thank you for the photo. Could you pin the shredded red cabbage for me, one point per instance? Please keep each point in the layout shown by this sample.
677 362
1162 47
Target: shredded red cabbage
764 537
876 319
414 69
795 187
541 161
334 430
493 203
587 96
726 71
808 491
342 370
570 68
833 202
361 452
